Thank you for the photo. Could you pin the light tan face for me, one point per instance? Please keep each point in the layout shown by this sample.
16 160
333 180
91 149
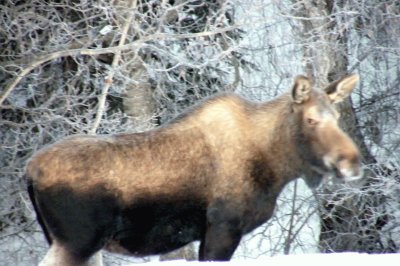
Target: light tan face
327 149
327 140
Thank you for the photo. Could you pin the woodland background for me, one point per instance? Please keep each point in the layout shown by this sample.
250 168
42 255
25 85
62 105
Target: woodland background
103 66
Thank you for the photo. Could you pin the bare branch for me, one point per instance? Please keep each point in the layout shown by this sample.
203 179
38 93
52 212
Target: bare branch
109 79
98 51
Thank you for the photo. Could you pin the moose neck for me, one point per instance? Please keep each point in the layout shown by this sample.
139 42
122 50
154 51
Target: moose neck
276 128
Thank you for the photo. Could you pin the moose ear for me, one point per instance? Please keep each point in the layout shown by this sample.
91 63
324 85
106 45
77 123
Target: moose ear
301 90
340 89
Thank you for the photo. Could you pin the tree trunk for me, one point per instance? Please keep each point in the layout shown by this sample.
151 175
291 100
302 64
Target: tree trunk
138 102
187 252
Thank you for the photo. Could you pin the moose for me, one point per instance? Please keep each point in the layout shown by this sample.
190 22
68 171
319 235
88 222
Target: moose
212 174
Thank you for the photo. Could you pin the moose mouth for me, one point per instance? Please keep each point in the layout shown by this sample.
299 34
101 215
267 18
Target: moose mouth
322 174
343 169
348 175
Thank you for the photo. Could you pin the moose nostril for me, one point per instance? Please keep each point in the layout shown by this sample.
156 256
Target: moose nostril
337 172
349 170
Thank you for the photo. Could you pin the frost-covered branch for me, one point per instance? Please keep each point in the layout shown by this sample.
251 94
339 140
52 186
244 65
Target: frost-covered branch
99 51
115 62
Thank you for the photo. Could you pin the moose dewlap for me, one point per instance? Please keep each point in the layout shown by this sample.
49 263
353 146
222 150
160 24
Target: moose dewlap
213 174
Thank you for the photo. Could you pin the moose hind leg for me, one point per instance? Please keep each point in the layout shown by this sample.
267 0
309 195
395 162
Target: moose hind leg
79 225
58 255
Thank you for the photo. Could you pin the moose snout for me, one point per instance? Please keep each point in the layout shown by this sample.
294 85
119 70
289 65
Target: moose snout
343 157
349 170
345 167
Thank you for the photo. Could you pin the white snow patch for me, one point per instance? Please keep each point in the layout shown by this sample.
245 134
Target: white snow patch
336 259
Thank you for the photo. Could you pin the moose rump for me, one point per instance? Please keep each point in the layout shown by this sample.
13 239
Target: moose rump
212 174
96 203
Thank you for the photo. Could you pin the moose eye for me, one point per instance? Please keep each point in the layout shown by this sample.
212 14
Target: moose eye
312 122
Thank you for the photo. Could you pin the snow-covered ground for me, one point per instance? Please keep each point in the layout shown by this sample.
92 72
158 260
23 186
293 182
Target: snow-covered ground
337 259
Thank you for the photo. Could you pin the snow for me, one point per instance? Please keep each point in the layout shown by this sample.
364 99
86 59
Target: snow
337 259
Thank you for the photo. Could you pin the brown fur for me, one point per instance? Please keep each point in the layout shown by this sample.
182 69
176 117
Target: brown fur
230 155
228 131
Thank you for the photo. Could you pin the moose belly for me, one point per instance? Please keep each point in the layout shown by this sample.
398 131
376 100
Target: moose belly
149 228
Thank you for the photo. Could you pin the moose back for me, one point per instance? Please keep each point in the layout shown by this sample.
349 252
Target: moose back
213 174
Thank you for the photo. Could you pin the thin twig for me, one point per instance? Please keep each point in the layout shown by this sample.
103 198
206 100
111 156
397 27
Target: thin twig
99 51
289 237
109 79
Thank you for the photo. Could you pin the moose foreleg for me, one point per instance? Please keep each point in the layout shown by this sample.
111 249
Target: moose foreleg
223 233
220 242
